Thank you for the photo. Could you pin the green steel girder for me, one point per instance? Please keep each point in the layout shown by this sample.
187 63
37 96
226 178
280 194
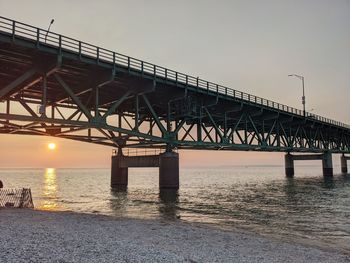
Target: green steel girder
88 95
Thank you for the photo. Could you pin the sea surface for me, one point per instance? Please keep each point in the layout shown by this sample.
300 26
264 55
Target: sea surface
257 198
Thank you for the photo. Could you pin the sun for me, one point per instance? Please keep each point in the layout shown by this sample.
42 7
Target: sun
51 146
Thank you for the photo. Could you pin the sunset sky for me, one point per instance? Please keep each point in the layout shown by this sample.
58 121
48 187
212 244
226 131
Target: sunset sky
247 45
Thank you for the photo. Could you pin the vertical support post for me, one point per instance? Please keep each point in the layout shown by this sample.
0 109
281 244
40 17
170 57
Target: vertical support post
120 125
79 49
278 134
344 164
327 164
246 131
263 138
42 110
150 126
225 125
199 125
169 170
8 108
13 30
119 175
52 113
136 112
97 113
37 37
289 165
168 119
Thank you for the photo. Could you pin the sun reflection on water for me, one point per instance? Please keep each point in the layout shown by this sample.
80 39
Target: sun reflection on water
49 190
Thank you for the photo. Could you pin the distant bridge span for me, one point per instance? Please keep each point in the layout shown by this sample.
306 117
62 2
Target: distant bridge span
54 85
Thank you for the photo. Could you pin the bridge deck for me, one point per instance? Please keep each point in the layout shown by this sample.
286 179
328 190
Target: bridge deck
119 96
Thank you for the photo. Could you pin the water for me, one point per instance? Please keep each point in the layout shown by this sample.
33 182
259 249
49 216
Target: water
260 199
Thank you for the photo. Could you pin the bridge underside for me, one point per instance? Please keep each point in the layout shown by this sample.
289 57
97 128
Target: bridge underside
69 89
60 94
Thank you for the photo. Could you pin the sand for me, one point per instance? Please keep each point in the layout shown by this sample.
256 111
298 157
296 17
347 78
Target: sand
41 236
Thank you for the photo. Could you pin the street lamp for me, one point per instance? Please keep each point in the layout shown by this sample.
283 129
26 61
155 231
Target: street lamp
303 98
52 20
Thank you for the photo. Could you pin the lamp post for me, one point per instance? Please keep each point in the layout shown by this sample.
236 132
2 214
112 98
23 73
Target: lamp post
52 20
303 98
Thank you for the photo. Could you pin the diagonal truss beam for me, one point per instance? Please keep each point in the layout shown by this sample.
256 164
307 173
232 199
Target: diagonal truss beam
115 105
14 84
214 123
73 96
154 115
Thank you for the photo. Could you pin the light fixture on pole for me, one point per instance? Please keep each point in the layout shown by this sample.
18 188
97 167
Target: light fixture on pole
52 20
303 98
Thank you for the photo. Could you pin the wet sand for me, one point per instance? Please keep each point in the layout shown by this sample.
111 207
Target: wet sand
40 236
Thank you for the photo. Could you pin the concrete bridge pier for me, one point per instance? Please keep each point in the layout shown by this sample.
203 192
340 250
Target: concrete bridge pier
169 170
326 158
327 164
289 165
119 174
168 163
344 163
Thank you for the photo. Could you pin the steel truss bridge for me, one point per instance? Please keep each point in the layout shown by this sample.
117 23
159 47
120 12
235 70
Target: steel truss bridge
54 85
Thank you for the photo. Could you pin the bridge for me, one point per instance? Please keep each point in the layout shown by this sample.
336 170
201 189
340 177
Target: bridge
53 85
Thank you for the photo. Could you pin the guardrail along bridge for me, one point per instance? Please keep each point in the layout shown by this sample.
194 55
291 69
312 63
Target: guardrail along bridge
53 85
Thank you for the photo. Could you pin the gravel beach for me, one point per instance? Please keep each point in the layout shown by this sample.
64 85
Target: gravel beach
40 236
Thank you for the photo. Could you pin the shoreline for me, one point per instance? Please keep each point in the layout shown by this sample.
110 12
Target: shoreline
43 236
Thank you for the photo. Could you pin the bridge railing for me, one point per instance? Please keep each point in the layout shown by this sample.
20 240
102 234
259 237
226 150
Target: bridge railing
44 38
140 151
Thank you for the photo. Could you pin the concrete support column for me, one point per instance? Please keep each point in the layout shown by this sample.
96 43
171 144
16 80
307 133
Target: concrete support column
344 164
119 175
327 164
169 170
289 165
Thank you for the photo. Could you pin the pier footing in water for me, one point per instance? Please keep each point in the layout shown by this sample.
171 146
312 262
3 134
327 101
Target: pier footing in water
168 163
169 170
326 158
344 163
119 175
